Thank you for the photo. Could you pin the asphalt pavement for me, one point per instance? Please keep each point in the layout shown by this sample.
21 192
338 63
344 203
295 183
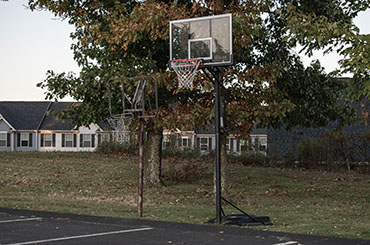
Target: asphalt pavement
35 227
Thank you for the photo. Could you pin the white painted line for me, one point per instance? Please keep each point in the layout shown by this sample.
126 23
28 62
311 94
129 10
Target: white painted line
286 243
19 220
82 236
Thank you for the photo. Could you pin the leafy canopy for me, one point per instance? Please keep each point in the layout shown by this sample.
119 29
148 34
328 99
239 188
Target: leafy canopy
129 38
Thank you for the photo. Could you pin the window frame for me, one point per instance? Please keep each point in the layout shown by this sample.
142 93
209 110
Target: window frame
185 139
84 140
5 141
244 145
262 143
229 144
27 140
48 142
202 144
66 141
166 141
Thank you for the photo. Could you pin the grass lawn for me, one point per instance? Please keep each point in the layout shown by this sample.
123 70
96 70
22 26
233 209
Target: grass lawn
307 202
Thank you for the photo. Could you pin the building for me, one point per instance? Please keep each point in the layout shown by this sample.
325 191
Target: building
205 141
34 126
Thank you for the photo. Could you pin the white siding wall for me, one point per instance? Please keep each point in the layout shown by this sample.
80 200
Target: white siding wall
58 140
4 130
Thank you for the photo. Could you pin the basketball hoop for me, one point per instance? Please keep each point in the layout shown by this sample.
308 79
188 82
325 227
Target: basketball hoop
139 107
186 70
120 124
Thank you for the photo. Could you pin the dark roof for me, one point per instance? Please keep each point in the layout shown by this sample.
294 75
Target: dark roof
105 126
211 130
26 115
256 130
51 121
23 115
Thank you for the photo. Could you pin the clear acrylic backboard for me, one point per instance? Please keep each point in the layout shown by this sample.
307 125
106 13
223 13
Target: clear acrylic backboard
206 38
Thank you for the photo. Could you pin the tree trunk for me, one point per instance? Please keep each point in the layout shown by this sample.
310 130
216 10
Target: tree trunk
153 157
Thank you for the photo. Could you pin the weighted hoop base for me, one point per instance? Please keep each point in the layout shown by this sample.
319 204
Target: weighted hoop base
243 220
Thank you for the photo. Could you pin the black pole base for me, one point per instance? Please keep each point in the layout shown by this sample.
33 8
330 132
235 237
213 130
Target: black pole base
242 220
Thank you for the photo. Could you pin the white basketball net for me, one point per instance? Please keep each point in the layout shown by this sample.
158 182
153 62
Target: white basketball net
186 70
120 124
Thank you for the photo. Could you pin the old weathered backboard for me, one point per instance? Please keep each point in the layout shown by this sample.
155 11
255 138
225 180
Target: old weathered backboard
206 38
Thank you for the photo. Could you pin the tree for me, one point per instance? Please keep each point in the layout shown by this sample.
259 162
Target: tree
103 54
127 38
328 25
317 96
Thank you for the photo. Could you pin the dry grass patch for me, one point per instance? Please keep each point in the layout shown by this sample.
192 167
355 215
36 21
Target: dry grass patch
307 202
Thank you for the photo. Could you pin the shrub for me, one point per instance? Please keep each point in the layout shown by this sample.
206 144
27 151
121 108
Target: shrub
248 158
116 147
312 152
183 153
185 170
273 156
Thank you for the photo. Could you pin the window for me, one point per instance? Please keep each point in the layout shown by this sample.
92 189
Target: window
87 140
166 141
243 145
25 137
263 143
204 144
185 142
24 140
68 140
48 140
229 144
3 139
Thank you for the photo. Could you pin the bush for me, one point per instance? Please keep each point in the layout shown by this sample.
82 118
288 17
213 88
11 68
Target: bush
248 158
185 170
183 153
312 152
116 147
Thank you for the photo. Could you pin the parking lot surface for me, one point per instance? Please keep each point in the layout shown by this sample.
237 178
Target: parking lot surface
33 227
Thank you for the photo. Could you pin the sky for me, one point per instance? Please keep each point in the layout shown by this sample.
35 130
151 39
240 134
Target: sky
31 43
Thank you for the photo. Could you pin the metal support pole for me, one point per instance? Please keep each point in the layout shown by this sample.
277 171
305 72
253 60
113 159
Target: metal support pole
141 159
214 76
218 147
217 83
141 169
141 115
